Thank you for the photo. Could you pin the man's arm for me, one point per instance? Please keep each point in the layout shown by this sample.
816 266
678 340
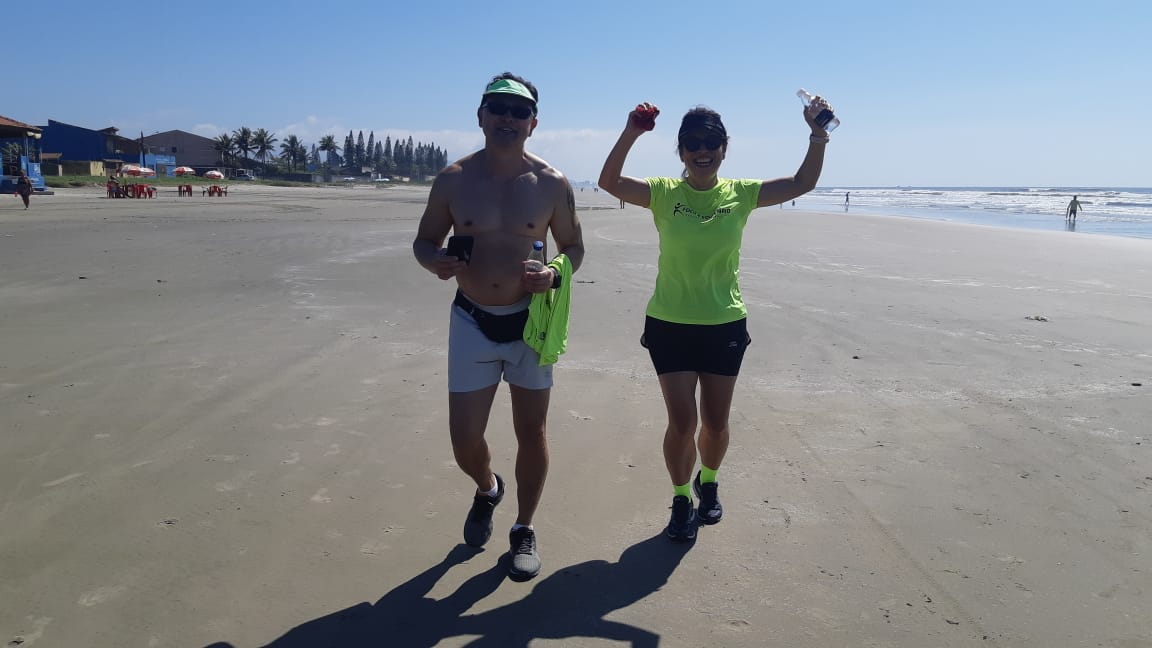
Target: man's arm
435 225
565 225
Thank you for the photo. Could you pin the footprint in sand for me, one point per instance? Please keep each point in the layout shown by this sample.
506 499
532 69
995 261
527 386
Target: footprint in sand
27 639
101 595
66 478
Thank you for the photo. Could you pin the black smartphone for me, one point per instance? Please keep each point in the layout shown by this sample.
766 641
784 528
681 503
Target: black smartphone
460 247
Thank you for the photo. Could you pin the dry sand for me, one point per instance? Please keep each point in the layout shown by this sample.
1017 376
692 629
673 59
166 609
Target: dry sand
222 422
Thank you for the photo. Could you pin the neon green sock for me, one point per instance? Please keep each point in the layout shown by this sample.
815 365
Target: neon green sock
685 490
707 475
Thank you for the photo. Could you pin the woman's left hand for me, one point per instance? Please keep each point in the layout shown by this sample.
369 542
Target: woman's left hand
818 105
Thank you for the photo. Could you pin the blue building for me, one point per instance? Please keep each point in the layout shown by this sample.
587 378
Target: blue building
19 145
79 144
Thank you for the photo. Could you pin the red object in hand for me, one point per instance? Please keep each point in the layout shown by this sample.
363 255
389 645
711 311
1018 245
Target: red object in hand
645 117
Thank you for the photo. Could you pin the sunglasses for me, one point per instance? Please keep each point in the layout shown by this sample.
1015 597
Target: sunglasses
692 143
499 110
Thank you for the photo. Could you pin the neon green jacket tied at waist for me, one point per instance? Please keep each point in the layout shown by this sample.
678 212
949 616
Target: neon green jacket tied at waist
547 328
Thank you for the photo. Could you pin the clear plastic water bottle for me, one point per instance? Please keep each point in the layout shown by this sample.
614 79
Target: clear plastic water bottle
536 258
826 119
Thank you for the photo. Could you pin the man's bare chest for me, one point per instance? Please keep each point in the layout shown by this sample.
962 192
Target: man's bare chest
518 206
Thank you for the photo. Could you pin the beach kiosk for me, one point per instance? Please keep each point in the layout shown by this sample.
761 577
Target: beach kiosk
18 149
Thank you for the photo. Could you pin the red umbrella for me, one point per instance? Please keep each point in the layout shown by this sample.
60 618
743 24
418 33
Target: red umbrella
183 171
214 174
130 169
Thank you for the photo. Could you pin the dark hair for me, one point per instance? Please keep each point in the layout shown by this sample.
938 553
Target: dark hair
701 118
518 79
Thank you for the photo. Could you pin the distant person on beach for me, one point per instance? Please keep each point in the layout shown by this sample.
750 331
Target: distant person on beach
504 198
695 328
846 198
1073 207
24 187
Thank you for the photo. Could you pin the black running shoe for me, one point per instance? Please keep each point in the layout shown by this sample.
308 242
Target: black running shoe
525 558
710 510
682 526
478 526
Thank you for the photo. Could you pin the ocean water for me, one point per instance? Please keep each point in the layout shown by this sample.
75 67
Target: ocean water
1113 211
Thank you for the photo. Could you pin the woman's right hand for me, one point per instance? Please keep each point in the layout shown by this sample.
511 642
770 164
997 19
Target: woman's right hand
642 118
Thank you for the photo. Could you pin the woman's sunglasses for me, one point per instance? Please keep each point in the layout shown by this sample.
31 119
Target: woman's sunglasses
693 144
499 110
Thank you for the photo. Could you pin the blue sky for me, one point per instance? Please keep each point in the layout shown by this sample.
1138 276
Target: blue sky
976 93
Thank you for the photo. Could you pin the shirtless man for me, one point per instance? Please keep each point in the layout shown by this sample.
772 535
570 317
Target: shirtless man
1073 207
505 198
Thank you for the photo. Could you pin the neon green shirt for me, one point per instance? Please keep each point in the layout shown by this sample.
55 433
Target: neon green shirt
700 236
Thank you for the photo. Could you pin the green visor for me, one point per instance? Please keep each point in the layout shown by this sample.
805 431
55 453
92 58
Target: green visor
508 86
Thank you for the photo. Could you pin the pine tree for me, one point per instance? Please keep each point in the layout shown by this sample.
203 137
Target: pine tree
361 154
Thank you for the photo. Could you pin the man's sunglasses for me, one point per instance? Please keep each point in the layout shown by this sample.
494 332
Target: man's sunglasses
499 110
693 144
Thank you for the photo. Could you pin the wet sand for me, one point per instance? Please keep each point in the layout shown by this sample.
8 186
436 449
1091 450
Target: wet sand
223 422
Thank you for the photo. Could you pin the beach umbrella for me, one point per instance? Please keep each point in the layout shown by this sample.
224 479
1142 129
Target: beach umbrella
130 169
214 174
183 171
145 171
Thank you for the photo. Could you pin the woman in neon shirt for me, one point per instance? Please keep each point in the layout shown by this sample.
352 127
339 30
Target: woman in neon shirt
695 328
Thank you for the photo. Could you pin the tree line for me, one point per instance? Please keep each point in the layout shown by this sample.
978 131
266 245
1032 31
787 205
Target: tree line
413 159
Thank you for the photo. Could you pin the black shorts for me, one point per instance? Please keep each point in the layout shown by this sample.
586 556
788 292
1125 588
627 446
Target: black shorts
702 348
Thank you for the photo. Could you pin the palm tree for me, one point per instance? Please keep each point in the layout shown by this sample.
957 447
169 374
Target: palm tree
226 147
328 143
292 151
242 137
286 152
263 143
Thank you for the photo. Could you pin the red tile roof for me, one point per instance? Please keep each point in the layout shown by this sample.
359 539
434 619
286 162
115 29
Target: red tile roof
4 121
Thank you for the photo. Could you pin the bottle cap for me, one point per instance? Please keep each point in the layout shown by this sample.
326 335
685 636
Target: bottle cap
538 245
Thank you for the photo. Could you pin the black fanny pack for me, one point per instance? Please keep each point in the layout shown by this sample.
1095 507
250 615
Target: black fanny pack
498 328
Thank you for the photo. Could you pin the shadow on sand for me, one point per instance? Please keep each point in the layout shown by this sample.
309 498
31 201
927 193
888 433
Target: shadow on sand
571 602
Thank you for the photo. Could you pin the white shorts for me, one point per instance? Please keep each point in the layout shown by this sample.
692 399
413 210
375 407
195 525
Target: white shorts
475 362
